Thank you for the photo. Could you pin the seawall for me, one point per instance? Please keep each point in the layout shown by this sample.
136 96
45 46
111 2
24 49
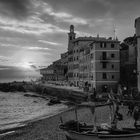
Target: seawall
70 94
61 92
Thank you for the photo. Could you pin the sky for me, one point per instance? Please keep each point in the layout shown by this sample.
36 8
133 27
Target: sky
33 33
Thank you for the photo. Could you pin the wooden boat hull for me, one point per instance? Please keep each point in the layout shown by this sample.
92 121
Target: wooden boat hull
72 135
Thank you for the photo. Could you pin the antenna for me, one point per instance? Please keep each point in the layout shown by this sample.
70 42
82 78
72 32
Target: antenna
114 31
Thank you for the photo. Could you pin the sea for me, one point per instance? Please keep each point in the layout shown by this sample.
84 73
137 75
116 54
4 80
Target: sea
16 74
15 108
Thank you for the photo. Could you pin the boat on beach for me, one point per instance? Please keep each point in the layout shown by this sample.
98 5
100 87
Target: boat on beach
85 132
74 130
54 101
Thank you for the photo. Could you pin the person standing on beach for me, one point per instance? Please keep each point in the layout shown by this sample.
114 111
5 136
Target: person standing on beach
136 115
91 105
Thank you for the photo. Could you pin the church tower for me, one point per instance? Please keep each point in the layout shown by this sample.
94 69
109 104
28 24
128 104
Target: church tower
71 37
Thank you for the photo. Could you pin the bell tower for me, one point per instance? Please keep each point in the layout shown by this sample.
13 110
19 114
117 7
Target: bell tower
71 37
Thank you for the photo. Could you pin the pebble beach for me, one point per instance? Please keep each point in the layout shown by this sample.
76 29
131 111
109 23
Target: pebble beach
47 128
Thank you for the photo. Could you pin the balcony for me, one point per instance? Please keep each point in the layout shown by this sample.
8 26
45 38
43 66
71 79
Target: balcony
75 66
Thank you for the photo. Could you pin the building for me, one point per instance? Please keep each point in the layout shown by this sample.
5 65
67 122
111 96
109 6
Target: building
93 60
137 27
57 71
60 70
64 58
48 73
128 63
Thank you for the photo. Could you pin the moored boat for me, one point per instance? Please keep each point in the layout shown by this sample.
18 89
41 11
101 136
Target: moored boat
98 136
54 101
76 131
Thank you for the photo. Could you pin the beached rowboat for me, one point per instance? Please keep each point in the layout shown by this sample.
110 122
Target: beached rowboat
85 133
78 131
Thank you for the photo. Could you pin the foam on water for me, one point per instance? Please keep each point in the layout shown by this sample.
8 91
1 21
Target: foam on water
16 108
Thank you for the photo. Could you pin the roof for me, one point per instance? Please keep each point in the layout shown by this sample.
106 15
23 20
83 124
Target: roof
97 39
57 61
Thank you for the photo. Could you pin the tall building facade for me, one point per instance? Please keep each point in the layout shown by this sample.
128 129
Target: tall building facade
137 27
93 60
128 64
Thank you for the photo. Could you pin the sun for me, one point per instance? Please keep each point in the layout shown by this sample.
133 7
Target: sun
26 65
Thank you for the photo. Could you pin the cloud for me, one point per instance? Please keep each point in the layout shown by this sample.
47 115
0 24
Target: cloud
36 28
33 25
49 42
37 48
62 16
19 9
85 9
4 58
33 66
4 69
25 47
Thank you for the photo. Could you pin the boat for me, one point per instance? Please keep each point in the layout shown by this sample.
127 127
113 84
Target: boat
74 130
54 101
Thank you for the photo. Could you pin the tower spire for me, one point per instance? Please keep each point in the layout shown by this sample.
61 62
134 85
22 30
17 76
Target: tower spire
71 28
71 36
114 32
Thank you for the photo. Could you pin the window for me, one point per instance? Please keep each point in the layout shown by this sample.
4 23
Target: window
104 65
104 55
105 45
77 51
112 66
70 37
91 55
101 45
77 57
77 42
112 76
112 55
112 45
91 77
104 76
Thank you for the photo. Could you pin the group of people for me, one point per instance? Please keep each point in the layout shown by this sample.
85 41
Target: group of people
133 109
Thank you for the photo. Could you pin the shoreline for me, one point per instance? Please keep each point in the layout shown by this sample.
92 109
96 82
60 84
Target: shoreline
25 115
47 128
28 122
44 128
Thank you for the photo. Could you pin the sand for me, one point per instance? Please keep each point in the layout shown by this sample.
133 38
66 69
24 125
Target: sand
48 128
